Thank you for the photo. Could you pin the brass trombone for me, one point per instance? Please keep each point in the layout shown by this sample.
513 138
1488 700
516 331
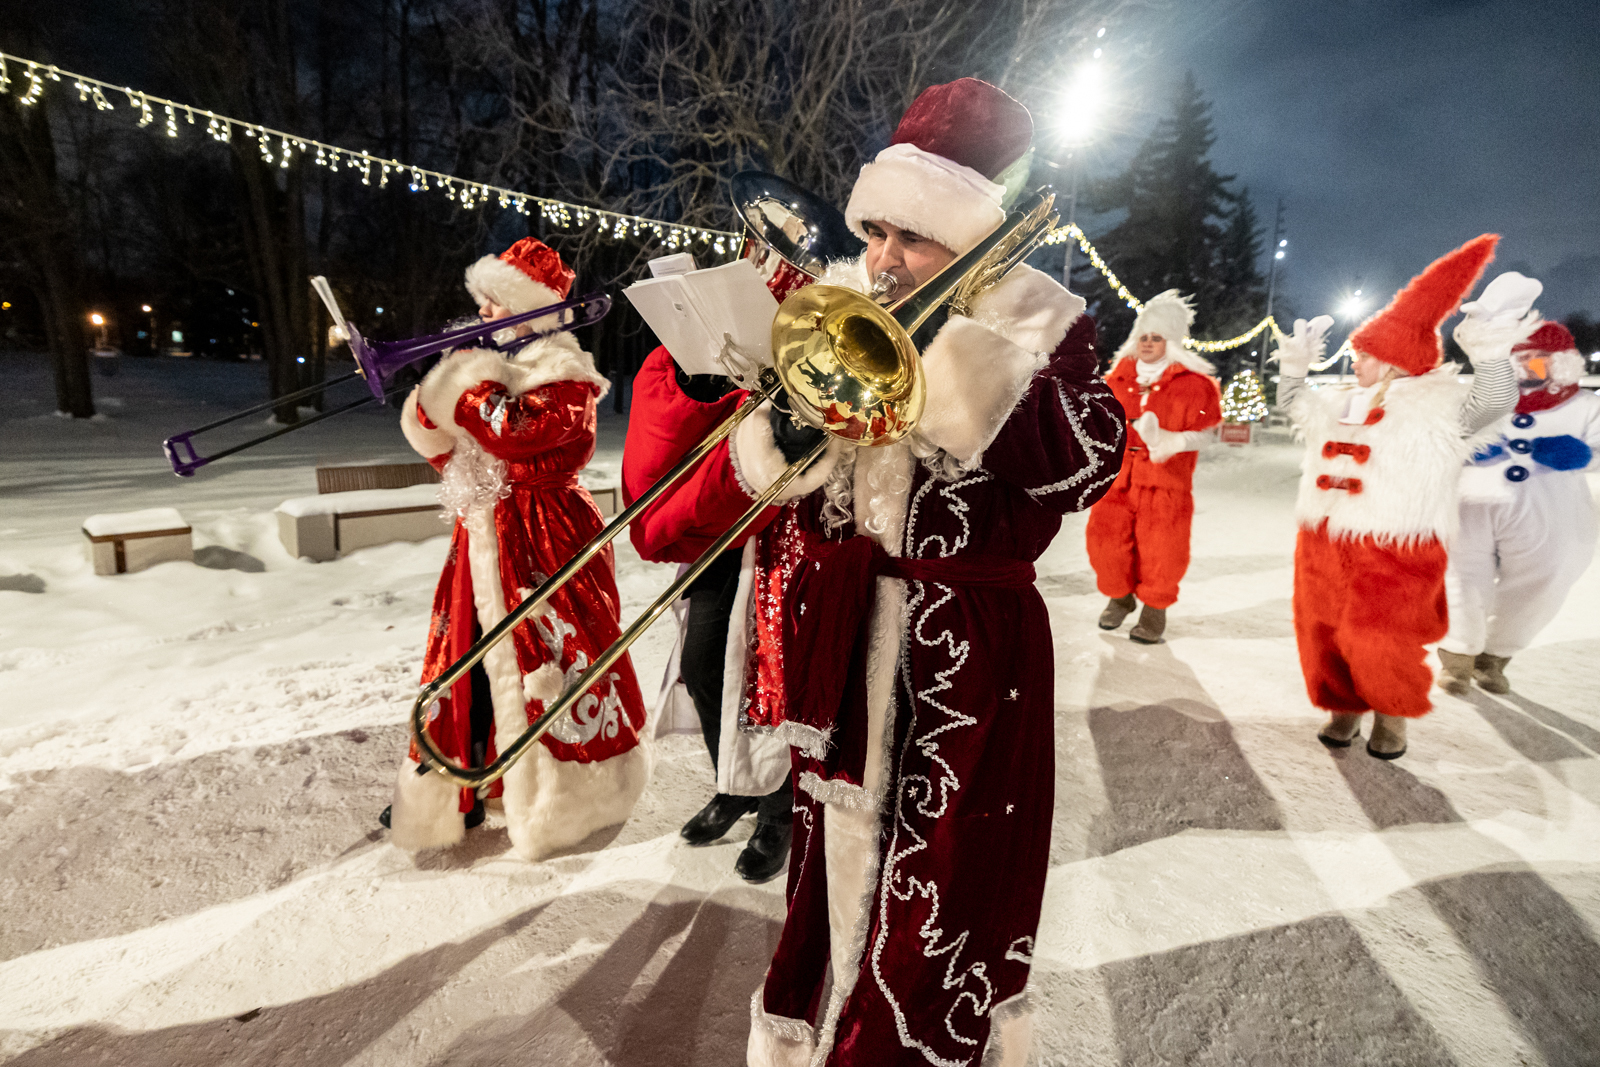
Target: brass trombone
850 368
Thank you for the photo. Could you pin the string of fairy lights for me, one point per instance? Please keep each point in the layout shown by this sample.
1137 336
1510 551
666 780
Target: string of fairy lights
281 148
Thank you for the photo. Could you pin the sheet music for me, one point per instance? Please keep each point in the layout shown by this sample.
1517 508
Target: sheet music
691 313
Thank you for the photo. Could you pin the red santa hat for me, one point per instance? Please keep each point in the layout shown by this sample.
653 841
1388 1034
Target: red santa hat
525 276
946 171
1405 334
1552 343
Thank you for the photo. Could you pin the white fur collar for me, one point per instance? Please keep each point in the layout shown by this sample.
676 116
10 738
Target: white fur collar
555 357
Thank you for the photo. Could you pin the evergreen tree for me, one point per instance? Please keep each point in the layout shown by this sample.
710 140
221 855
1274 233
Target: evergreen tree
1184 228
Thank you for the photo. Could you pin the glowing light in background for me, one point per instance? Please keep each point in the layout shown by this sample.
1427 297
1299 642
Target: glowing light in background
1082 103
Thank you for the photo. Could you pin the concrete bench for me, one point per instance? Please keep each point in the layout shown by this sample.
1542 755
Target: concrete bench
331 525
374 476
129 541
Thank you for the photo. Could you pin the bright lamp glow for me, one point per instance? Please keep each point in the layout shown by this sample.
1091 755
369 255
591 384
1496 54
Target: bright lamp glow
98 319
1278 254
144 308
1081 105
1352 305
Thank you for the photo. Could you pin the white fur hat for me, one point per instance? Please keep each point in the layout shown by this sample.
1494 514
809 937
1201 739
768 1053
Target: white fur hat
1169 315
525 276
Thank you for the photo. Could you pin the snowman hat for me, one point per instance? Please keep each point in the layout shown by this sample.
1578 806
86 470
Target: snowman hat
959 156
1564 365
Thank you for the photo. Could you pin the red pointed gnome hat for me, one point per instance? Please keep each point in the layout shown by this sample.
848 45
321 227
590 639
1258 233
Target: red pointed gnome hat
525 276
946 170
1406 333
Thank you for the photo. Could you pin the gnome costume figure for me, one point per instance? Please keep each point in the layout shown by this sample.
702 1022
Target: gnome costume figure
1138 533
918 668
1377 505
1527 518
509 432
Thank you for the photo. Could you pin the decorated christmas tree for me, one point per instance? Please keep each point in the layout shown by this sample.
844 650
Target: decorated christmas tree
1243 400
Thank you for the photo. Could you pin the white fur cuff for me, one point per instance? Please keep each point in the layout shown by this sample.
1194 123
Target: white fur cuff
777 1042
757 462
1030 309
975 380
428 443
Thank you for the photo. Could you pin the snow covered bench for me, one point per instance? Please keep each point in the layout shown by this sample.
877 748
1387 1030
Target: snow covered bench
129 541
330 525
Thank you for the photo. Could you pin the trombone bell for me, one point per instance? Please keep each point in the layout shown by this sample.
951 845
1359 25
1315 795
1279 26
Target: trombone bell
847 366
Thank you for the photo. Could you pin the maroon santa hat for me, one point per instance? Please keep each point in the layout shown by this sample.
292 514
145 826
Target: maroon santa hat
946 170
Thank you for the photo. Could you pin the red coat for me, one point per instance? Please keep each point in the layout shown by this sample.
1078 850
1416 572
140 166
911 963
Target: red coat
510 436
1182 399
663 425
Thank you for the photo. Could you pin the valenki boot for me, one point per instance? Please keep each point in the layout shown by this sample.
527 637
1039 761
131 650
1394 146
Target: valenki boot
1343 728
1388 736
1152 624
1455 675
1490 673
1117 609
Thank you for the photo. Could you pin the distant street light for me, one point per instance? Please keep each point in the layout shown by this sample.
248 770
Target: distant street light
145 308
1353 305
98 319
1084 100
1281 243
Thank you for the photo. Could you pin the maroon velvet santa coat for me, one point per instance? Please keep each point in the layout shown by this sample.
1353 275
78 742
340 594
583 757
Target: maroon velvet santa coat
925 790
510 435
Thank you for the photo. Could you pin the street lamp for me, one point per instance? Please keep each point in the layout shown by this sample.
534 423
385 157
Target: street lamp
1280 245
1085 98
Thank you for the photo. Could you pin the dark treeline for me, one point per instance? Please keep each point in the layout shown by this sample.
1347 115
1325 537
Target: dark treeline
642 106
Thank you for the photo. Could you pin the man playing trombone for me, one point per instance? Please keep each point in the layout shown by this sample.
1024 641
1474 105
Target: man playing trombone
918 661
509 433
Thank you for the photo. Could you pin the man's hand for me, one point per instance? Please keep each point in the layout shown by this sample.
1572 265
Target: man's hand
1296 353
794 440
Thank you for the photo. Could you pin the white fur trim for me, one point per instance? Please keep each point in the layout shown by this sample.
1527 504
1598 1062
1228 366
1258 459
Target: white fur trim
1410 482
757 462
750 763
926 194
839 792
555 357
545 683
776 1041
492 278
975 380
1030 309
851 855
426 810
1169 314
808 739
428 443
1010 1032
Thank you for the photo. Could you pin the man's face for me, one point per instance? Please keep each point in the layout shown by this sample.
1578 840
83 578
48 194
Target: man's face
489 311
1150 347
910 257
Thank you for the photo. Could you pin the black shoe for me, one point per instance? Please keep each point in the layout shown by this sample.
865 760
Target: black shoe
474 818
765 853
717 818
383 816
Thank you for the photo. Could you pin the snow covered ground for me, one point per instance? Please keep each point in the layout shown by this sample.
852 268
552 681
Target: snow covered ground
192 759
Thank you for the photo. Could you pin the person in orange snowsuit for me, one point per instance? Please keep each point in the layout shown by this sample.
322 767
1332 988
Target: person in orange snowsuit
1139 531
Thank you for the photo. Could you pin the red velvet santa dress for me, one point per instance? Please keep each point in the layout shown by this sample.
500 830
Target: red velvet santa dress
1138 533
510 432
918 663
1377 503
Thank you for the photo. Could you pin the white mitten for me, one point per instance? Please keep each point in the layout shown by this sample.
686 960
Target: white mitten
1161 444
1296 353
1500 317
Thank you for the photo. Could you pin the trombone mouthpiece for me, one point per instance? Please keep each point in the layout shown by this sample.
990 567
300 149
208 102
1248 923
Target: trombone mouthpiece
884 286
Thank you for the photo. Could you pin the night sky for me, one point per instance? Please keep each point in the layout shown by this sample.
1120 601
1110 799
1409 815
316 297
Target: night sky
1393 131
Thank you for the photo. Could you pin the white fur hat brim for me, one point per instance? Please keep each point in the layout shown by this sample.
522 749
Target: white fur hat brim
927 194
492 278
1168 315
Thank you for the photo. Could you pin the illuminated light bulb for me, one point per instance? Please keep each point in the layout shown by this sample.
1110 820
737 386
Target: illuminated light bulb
98 319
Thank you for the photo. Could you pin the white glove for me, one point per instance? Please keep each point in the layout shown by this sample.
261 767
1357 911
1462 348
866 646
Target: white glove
1164 444
1500 317
1296 353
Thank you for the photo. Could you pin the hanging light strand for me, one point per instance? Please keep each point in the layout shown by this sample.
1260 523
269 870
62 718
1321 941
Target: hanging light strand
279 148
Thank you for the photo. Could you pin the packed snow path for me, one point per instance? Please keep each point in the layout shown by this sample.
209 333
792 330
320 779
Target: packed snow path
192 759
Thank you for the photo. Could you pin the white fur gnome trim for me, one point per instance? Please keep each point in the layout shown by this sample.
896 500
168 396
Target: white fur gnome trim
428 443
492 278
1169 314
554 357
929 195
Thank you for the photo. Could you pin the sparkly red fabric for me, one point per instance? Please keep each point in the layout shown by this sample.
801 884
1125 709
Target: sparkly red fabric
780 551
544 437
967 804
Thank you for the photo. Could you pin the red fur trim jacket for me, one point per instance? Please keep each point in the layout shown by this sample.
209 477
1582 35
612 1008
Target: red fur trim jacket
1182 400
